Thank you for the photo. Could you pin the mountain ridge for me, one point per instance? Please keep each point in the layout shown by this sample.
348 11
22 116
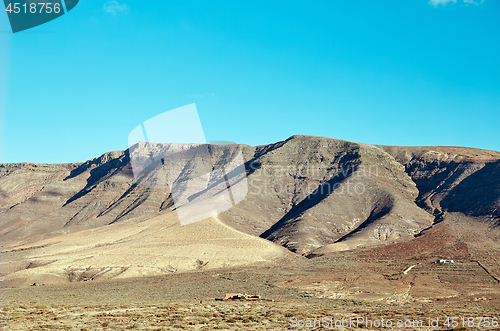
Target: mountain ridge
311 195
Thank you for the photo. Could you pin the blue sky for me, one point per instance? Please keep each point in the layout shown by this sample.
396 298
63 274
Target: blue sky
390 72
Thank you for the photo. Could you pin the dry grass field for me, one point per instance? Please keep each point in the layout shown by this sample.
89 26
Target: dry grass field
188 302
214 315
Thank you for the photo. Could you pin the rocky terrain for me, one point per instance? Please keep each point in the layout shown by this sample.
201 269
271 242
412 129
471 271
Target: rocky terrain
310 195
342 228
397 282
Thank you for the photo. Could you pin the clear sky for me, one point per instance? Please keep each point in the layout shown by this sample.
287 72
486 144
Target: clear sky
393 72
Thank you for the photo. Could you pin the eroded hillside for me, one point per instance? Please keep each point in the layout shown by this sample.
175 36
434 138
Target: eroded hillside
311 195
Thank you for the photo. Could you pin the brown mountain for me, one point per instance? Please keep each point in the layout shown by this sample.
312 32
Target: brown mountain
311 195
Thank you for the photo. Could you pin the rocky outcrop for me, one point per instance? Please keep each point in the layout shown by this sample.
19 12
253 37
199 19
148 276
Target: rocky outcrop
304 193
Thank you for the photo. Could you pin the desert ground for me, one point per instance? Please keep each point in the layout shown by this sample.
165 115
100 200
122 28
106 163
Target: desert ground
396 282
337 289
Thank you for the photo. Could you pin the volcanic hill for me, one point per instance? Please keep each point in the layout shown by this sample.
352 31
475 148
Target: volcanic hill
307 197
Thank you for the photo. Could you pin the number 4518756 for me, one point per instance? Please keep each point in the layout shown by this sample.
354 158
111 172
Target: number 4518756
471 322
33 8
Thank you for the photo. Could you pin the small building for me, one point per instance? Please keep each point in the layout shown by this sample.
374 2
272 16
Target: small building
444 261
241 296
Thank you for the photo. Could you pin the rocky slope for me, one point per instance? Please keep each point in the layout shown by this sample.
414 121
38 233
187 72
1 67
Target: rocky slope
309 194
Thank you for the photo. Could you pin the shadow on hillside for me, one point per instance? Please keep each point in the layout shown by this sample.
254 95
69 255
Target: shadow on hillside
478 194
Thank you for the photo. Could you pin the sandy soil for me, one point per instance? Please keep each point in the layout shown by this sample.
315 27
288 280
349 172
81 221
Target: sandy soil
131 249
